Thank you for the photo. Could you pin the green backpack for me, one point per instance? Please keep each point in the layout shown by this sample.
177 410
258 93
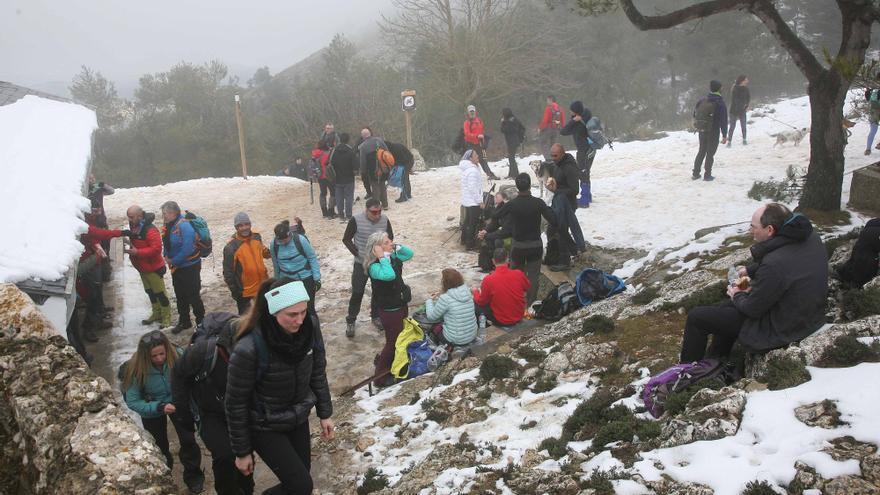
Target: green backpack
704 115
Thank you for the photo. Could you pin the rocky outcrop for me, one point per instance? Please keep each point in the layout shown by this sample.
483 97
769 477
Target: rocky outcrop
60 427
822 414
709 415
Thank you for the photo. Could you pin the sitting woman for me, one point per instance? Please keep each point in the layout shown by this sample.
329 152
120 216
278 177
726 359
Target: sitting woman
455 308
147 384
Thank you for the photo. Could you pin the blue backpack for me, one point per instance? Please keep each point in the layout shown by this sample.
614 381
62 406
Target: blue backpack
596 134
419 353
203 234
594 285
395 179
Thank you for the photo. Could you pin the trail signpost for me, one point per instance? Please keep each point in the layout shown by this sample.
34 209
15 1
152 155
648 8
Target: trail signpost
408 105
241 140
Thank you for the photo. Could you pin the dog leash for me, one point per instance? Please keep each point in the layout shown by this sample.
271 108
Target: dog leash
781 122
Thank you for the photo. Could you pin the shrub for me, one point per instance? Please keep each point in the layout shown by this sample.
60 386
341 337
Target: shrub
592 411
709 296
600 481
624 429
374 481
531 355
497 366
784 373
783 190
556 447
758 488
646 295
598 324
544 384
848 351
858 303
433 412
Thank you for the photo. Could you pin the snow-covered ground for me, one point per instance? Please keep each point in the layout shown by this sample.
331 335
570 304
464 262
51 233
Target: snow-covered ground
45 146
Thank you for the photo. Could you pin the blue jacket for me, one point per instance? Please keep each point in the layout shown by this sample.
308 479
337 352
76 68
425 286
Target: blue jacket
155 393
179 241
455 308
719 123
288 262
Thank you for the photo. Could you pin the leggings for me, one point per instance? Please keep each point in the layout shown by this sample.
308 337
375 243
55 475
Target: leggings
392 321
723 322
228 480
742 125
327 203
289 455
190 454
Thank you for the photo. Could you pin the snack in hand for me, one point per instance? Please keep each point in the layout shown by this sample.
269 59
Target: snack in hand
742 283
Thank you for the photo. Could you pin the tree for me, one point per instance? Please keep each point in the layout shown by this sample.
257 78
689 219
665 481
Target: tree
261 77
92 88
827 84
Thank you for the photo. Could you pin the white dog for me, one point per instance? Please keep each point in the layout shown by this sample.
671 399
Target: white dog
795 136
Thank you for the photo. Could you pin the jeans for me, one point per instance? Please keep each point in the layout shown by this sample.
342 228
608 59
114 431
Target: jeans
567 221
406 186
708 147
190 455
742 125
187 282
871 134
228 480
528 260
327 204
723 322
344 199
289 455
392 322
358 286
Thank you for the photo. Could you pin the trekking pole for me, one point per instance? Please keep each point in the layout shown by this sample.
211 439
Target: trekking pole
454 231
311 192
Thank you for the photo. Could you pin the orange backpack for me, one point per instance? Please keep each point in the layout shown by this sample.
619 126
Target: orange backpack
384 162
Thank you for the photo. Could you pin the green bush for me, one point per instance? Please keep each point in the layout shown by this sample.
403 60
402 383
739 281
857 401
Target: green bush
624 429
598 324
646 295
592 411
709 296
600 482
858 303
758 488
497 366
784 373
783 190
531 355
374 481
556 447
848 351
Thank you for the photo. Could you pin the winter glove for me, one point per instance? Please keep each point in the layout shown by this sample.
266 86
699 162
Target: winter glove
317 286
127 233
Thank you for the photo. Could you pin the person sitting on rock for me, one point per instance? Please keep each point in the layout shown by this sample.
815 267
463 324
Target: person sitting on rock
862 263
781 301
455 308
501 297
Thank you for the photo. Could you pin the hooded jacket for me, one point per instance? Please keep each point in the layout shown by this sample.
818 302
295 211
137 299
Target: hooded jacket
513 130
179 242
789 286
471 183
243 267
473 129
148 242
719 121
288 262
149 401
344 163
455 308
578 129
566 176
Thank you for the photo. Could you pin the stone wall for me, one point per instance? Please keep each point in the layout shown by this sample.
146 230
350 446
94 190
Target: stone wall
61 429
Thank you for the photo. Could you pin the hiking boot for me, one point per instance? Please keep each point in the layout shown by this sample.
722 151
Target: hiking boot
349 329
695 176
154 316
745 142
196 486
378 324
867 151
89 335
181 326
709 178
561 267
400 200
165 313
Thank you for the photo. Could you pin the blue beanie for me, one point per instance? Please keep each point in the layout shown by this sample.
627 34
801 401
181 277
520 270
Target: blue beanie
286 296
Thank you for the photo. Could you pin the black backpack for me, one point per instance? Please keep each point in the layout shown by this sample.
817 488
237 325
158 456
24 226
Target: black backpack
561 300
704 115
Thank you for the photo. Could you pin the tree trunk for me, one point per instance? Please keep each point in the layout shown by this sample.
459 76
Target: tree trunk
822 190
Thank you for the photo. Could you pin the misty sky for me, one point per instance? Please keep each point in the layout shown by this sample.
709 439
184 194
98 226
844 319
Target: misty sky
43 43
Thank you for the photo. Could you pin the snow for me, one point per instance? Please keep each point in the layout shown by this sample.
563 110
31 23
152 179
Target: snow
45 147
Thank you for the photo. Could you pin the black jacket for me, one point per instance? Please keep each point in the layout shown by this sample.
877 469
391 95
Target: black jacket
789 288
525 212
500 224
739 100
863 261
286 393
566 176
402 155
386 293
578 131
344 161
513 130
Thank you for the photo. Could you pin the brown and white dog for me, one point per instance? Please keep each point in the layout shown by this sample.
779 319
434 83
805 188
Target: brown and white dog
794 136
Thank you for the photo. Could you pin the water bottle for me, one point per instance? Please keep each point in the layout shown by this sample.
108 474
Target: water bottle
481 330
732 275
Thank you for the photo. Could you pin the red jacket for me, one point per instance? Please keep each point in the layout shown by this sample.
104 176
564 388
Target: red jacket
148 242
94 237
473 129
504 291
323 157
547 121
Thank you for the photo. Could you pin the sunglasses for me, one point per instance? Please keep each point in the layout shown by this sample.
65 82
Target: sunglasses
153 338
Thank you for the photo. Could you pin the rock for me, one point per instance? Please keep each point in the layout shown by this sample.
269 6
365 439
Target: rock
873 283
849 485
739 257
823 414
709 415
556 363
845 448
389 421
424 473
363 443
805 477
674 292
531 458
870 466
541 481
419 164
585 356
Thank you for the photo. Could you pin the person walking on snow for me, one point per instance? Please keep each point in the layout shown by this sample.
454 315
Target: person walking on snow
514 135
873 98
739 104
369 164
294 258
475 137
327 198
243 267
577 129
710 119
145 253
182 257
552 121
343 161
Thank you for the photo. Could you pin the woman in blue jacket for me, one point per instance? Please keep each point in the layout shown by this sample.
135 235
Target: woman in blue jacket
147 384
294 258
455 308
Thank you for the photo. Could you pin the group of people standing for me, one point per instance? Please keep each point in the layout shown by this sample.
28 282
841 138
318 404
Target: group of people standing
711 117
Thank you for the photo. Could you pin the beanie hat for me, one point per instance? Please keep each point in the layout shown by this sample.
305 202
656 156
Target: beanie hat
286 296
240 218
577 107
471 108
714 86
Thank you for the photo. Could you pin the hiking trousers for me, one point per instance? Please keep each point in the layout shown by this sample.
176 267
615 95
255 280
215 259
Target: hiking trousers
405 185
190 455
513 168
742 125
344 199
528 260
228 480
358 286
722 322
187 282
154 286
289 455
708 147
327 197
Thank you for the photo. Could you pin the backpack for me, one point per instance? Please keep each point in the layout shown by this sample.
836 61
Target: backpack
594 285
555 117
395 179
596 137
704 115
561 300
120 377
680 377
209 330
420 353
314 168
329 169
384 162
203 234
874 100
299 248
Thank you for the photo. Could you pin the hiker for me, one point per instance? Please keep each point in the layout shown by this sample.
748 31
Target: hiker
403 157
329 137
872 96
501 297
327 198
277 374
243 266
564 204
471 197
383 261
92 280
294 258
475 138
514 135
454 307
495 232
344 163
577 129
182 257
369 165
552 121
861 266
527 248
739 104
146 380
97 191
782 301
710 120
145 253
199 380
360 227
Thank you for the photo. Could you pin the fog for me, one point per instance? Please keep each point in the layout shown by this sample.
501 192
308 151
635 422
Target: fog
43 43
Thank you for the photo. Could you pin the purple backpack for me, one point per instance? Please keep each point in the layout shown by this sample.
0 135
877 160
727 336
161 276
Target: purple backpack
678 378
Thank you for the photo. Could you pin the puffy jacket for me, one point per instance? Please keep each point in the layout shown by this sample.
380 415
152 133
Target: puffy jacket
789 287
323 157
473 129
179 242
471 183
149 401
504 291
93 237
148 242
455 308
567 178
243 267
547 120
288 262
284 396
384 274
577 129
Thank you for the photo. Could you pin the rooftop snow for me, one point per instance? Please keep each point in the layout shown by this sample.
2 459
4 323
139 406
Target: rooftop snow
45 148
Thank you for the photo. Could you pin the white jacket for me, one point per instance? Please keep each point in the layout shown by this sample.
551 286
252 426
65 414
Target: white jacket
471 183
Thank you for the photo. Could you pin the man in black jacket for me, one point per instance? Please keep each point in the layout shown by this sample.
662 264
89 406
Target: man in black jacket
514 135
404 157
564 187
195 382
344 161
576 127
782 302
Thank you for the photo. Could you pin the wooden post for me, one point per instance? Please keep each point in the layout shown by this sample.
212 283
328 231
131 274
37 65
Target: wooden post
241 138
408 105
408 130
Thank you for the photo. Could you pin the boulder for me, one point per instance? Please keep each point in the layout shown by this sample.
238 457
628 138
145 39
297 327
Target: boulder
556 363
823 414
585 356
845 448
849 485
709 415
674 292
870 466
